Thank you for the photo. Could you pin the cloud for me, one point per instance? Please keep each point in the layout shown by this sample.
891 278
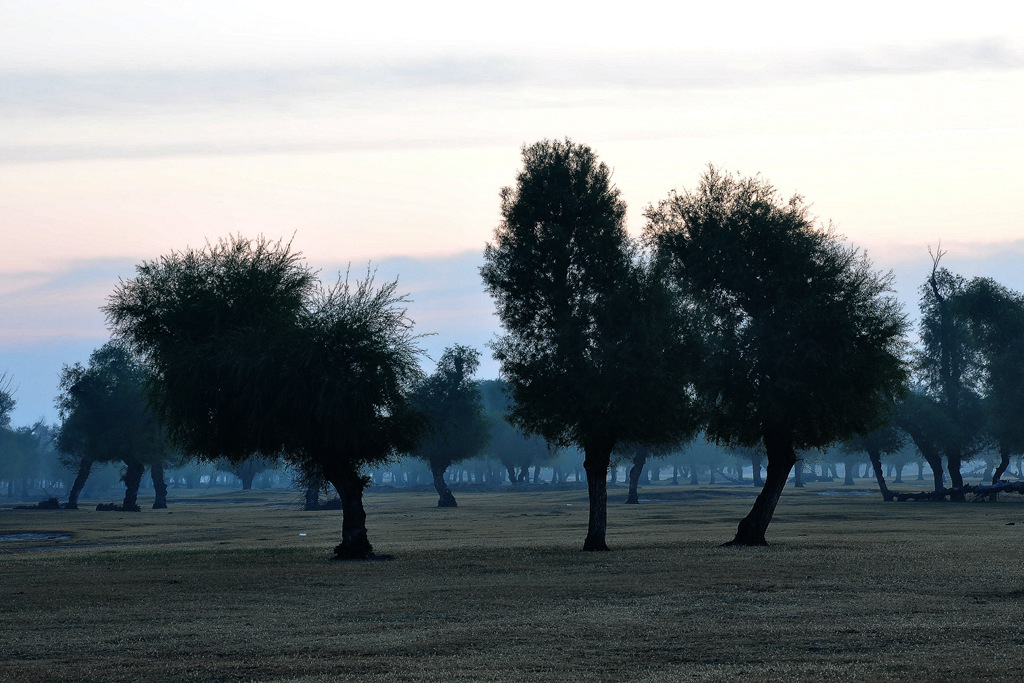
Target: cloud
54 93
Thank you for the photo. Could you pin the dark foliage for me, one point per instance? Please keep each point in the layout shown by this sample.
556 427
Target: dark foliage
595 351
252 355
804 340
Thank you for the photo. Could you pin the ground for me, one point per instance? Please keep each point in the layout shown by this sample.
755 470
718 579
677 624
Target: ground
240 587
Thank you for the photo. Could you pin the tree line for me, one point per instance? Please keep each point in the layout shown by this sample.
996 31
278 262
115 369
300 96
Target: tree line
735 318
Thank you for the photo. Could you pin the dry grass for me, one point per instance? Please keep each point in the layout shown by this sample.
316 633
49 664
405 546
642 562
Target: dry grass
851 589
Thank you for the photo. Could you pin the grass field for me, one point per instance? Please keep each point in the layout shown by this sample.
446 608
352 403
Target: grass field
239 586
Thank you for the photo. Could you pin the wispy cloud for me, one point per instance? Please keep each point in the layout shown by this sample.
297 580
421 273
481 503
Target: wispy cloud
111 92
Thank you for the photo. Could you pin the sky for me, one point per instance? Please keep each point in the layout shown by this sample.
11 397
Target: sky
382 134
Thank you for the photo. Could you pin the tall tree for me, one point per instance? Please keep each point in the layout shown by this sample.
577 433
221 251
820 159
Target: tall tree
595 348
253 355
995 316
804 339
950 368
105 417
457 424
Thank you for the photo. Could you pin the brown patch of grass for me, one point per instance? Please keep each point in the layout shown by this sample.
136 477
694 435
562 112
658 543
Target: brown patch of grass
498 589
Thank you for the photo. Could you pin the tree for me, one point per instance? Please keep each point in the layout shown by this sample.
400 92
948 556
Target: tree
457 425
7 401
246 470
884 439
950 367
922 418
507 444
595 350
105 417
804 340
253 355
995 317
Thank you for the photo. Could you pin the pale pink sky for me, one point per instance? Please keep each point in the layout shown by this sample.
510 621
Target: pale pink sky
128 129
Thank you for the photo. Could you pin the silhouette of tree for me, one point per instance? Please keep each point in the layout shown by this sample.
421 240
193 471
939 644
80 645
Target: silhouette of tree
882 440
457 424
950 369
105 417
595 349
995 316
804 339
253 355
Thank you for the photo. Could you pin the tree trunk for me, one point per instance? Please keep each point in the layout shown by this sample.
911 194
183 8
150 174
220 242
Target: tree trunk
675 475
934 461
446 499
956 479
639 460
899 474
596 458
156 473
536 474
132 479
694 481
313 487
755 465
76 489
781 458
1004 462
798 473
511 473
524 474
247 475
848 466
354 542
876 465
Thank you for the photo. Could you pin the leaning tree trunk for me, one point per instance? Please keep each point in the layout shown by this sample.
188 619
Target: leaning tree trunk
1004 462
595 462
76 489
511 473
156 472
132 479
639 460
446 499
876 465
354 542
781 458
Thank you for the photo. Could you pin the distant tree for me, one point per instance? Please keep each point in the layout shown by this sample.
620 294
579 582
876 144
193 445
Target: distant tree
105 417
949 366
922 418
506 443
995 316
254 355
7 401
883 440
804 339
457 426
595 350
248 469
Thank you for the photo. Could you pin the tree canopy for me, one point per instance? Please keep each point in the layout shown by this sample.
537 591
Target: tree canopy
105 417
804 340
593 349
251 354
457 426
